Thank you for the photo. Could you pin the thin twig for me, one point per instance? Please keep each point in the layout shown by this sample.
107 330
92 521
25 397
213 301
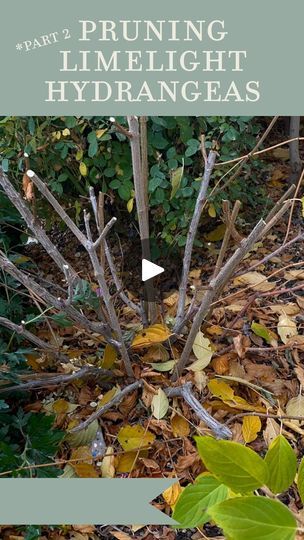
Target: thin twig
216 286
185 391
293 205
248 156
230 222
57 380
265 415
116 399
209 164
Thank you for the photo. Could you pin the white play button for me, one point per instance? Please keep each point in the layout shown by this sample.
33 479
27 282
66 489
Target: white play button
149 270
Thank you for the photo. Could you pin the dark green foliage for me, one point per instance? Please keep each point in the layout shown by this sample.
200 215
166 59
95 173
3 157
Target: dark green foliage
28 439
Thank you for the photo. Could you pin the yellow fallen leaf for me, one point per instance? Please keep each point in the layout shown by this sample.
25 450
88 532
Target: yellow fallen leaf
295 407
108 396
83 169
287 328
220 389
250 428
84 468
134 437
109 357
255 280
172 494
130 205
157 333
126 462
217 234
107 465
180 426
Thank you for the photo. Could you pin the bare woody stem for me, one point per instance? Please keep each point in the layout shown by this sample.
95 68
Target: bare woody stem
216 285
33 223
185 391
209 165
140 186
40 344
58 303
230 221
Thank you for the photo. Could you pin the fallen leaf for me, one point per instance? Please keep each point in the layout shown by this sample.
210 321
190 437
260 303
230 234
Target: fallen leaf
109 357
126 462
83 437
294 274
180 426
164 366
287 328
200 380
295 407
263 332
172 494
107 465
108 396
271 431
156 333
159 405
134 437
250 427
203 352
84 468
289 308
255 280
220 389
217 234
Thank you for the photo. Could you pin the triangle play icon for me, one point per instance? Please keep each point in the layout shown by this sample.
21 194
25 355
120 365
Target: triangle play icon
149 270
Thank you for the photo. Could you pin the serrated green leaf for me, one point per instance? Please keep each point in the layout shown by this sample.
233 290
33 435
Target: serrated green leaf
254 518
282 464
233 464
193 503
300 480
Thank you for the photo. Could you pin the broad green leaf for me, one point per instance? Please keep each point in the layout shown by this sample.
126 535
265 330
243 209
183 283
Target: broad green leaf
236 466
300 480
282 465
196 499
176 178
254 518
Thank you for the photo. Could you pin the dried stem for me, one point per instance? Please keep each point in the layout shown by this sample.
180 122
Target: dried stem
55 380
185 391
209 164
33 223
230 222
42 345
216 285
116 399
293 205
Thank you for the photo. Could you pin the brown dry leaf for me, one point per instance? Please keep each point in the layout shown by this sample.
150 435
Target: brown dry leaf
215 330
172 494
281 153
271 431
171 300
299 371
147 394
255 280
250 428
289 309
180 426
300 301
287 328
107 466
157 333
294 274
86 529
200 380
149 463
220 364
240 344
155 353
128 403
121 535
195 274
28 188
84 468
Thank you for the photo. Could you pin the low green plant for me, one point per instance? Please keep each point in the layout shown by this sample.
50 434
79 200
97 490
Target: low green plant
239 492
27 440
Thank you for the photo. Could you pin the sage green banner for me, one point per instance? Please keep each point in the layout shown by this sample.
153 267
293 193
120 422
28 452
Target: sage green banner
41 501
171 58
